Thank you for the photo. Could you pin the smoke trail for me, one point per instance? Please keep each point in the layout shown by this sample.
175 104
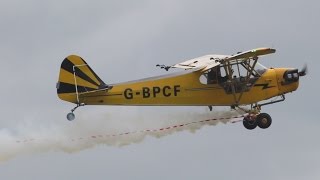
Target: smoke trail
89 130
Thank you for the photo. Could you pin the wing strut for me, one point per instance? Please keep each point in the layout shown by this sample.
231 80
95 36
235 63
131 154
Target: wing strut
231 83
250 70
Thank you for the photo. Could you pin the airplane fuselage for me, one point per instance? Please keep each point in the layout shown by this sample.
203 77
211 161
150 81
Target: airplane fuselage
186 89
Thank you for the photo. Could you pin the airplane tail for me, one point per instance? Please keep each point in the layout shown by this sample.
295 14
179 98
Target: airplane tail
77 77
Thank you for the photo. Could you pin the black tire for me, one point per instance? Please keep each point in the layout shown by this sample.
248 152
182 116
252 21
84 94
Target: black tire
264 120
249 124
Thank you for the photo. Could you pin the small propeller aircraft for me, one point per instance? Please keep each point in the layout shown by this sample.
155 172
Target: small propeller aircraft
210 80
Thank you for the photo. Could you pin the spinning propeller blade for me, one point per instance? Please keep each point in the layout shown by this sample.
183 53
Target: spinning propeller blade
304 70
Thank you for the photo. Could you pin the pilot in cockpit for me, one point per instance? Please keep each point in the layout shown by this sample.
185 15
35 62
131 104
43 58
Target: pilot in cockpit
213 75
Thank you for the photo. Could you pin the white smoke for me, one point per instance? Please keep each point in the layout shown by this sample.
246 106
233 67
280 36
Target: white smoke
112 128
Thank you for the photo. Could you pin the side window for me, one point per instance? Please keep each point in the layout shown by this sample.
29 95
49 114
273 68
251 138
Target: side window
212 76
223 76
203 78
239 71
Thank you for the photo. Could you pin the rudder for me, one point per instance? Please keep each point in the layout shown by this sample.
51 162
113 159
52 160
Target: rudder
76 77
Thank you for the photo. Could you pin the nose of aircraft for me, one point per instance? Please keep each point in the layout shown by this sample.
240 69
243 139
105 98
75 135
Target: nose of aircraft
288 78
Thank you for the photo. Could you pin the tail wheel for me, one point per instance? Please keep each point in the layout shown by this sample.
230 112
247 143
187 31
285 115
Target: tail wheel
249 123
264 120
71 116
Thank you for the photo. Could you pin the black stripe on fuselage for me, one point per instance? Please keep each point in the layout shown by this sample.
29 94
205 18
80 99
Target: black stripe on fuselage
203 89
264 86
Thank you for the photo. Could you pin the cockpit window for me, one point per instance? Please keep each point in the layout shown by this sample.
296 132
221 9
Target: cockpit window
260 69
236 77
211 76
215 75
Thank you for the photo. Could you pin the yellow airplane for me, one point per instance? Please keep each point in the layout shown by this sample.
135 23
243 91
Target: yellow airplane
210 80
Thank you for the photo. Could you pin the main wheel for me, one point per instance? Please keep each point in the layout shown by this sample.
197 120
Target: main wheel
71 116
264 120
249 123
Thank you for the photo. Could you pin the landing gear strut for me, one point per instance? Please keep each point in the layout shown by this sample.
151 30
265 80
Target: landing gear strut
255 118
71 116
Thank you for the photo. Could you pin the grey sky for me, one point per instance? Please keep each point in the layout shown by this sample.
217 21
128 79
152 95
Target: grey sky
124 40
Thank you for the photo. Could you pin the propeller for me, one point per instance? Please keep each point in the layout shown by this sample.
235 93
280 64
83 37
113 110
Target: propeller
304 70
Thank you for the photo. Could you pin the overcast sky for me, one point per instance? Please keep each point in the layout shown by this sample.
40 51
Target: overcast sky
124 40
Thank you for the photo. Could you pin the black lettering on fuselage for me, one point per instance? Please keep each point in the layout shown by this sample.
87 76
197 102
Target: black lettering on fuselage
165 91
128 93
156 90
145 92
176 89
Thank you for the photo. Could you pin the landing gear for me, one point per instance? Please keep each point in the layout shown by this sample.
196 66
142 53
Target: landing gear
264 120
251 121
255 118
71 116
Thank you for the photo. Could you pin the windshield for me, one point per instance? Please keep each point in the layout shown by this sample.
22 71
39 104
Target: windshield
260 69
